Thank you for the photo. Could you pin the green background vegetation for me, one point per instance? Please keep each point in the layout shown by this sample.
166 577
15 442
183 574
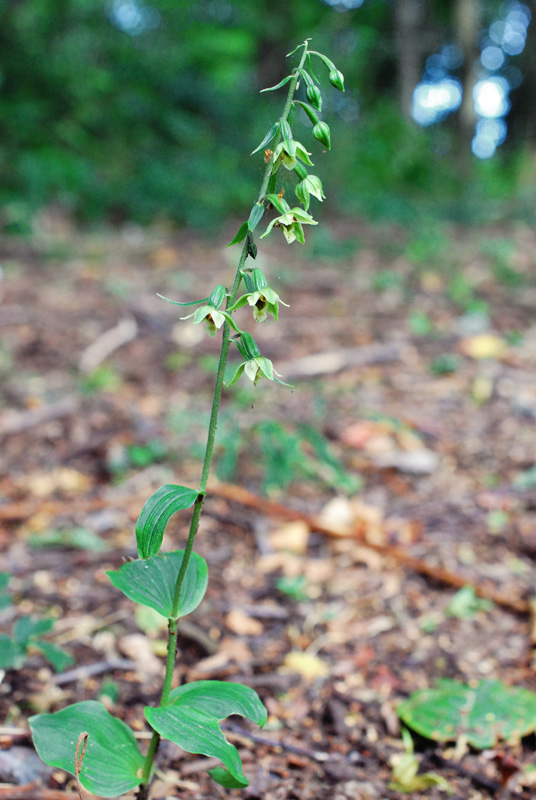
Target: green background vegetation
157 121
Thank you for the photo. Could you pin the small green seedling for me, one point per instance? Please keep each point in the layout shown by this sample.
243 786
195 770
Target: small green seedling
84 738
26 636
405 771
479 715
466 603
445 364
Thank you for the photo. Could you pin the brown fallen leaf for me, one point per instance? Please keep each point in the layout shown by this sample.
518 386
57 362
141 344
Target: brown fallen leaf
239 622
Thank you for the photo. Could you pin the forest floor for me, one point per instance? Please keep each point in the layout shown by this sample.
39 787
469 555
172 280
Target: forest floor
345 515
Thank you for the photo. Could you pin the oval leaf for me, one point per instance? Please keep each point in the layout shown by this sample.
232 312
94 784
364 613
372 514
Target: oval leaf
256 215
112 763
191 720
156 514
483 714
151 582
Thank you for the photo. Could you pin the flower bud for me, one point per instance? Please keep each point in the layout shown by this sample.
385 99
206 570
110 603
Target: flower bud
313 96
322 135
248 346
300 171
336 78
218 296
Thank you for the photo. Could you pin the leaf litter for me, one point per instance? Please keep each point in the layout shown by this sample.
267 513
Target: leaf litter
334 605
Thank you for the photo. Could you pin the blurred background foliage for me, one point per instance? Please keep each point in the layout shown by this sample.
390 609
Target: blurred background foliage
145 110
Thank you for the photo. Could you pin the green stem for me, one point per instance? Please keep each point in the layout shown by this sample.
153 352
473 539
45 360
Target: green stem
209 449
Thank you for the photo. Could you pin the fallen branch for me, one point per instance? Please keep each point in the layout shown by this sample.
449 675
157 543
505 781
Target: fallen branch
107 343
14 422
485 590
34 791
333 361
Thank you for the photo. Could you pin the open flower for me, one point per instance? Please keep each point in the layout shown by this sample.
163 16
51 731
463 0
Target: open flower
291 224
310 185
260 297
210 312
255 366
288 153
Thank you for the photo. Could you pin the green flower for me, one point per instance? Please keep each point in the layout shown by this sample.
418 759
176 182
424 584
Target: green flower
213 318
289 153
310 185
260 297
210 312
255 366
291 224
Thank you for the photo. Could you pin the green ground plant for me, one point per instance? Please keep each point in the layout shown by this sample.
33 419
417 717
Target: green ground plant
84 738
27 636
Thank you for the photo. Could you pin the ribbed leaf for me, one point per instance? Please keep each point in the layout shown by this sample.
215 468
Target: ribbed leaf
112 762
240 236
191 720
151 582
156 514
255 216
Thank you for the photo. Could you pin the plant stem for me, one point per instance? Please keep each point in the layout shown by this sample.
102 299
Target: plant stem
209 449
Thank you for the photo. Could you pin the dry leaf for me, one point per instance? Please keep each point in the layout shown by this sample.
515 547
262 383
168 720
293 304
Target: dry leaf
239 622
293 536
307 665
484 345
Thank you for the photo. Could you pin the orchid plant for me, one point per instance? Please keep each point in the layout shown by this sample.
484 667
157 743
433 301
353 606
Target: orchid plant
84 738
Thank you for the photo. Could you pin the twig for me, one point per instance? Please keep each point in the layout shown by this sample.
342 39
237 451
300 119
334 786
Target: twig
107 343
90 670
79 760
246 498
315 755
34 791
332 361
15 422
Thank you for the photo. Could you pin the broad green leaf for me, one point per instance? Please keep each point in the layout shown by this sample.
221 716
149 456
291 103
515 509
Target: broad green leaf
224 778
27 628
279 85
255 216
4 580
482 714
241 235
112 764
59 659
151 582
191 720
11 653
156 514
268 138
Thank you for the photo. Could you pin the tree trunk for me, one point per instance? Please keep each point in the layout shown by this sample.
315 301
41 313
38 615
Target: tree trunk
409 23
468 23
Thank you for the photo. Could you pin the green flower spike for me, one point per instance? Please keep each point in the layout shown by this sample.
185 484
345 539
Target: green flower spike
210 313
260 296
255 366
